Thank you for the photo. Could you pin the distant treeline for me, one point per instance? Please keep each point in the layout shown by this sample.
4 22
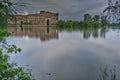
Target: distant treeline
71 23
115 24
89 21
90 28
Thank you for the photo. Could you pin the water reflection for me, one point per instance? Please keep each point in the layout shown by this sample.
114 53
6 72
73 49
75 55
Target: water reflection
44 33
71 57
88 31
47 33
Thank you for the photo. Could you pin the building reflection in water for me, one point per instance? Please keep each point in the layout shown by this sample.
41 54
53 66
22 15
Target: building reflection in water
44 33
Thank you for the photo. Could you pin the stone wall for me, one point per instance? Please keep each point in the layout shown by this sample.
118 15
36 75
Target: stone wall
42 18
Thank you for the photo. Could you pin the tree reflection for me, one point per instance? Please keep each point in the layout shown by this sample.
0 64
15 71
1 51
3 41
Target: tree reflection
103 32
91 32
109 74
88 32
95 34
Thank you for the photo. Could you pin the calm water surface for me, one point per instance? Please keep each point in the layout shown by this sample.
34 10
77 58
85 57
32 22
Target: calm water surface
66 55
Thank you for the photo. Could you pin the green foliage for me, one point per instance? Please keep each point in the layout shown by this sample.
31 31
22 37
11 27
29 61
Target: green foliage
76 24
115 24
3 21
8 9
10 71
70 25
89 21
96 18
93 28
112 11
87 17
28 23
104 21
4 12
3 34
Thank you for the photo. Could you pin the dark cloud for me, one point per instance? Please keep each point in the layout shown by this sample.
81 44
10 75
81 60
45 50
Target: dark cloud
68 9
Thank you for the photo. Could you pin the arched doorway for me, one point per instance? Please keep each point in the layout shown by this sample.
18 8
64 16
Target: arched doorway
48 22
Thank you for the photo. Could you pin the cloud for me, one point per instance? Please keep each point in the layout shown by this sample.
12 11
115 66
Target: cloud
68 9
24 13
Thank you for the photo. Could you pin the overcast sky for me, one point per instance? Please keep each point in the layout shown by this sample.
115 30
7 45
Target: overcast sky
67 9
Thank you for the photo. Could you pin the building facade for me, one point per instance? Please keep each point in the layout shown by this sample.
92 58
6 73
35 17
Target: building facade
42 18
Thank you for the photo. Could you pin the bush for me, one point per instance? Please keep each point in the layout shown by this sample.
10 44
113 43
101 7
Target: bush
10 71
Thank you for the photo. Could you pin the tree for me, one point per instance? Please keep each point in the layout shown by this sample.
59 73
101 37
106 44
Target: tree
9 71
8 8
3 12
112 11
96 18
87 17
104 20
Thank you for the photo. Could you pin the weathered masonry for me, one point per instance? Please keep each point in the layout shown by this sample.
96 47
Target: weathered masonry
42 18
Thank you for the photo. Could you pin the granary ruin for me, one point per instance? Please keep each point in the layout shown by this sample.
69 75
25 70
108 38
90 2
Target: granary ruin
42 18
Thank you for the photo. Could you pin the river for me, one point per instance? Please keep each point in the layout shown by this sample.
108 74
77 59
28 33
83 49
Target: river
53 54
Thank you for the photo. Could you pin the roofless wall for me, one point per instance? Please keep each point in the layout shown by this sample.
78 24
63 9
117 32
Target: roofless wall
42 18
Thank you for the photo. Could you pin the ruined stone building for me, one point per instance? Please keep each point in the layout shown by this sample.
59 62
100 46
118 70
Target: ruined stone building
42 18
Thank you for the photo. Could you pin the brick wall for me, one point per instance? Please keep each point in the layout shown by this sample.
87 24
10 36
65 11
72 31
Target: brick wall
42 18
